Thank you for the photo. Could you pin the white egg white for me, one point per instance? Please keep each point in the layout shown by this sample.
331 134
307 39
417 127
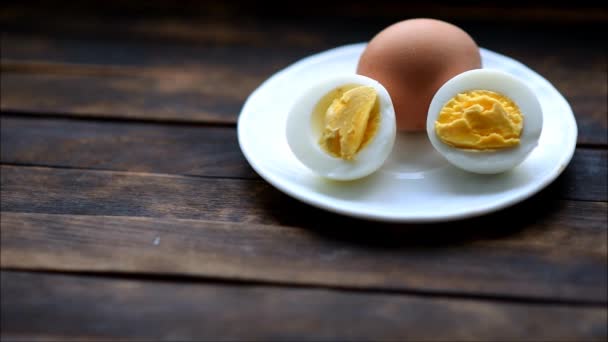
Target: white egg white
495 161
303 137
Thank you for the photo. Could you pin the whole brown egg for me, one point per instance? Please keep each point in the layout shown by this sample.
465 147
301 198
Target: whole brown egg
412 59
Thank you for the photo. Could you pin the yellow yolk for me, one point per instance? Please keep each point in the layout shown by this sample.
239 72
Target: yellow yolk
480 120
349 122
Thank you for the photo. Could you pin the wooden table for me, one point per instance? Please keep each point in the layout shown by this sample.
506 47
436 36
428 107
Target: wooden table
129 212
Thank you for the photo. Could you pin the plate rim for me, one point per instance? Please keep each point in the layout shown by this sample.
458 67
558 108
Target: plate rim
277 183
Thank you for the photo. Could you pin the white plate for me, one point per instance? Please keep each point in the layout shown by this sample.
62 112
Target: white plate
416 184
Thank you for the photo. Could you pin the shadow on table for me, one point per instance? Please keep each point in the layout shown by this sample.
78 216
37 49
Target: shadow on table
505 223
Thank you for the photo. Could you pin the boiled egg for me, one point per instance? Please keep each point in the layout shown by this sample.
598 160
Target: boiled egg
484 121
342 128
413 58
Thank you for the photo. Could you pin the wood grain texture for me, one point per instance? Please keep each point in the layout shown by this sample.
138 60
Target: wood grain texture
202 151
124 188
588 173
196 96
208 81
180 95
89 192
193 22
140 147
48 52
195 150
475 257
71 307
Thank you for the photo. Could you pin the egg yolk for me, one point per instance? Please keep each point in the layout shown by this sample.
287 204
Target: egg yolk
350 121
480 120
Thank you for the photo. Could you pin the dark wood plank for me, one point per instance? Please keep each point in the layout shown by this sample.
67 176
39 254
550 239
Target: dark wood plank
202 22
194 94
140 147
90 192
194 150
188 94
196 100
77 307
497 255
210 24
132 194
567 57
49 50
590 167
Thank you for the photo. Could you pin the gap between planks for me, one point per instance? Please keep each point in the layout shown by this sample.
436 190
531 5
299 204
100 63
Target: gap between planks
116 118
73 306
177 175
133 173
190 279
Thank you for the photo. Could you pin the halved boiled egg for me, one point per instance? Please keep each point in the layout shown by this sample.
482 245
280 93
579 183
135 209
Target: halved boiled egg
484 121
343 128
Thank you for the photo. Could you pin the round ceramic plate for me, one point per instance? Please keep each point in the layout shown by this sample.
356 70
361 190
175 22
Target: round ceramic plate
415 184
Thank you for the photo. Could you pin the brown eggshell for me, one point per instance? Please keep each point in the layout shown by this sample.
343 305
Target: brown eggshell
412 59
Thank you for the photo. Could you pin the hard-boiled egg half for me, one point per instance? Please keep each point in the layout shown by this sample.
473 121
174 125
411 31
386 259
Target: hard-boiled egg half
484 121
342 128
